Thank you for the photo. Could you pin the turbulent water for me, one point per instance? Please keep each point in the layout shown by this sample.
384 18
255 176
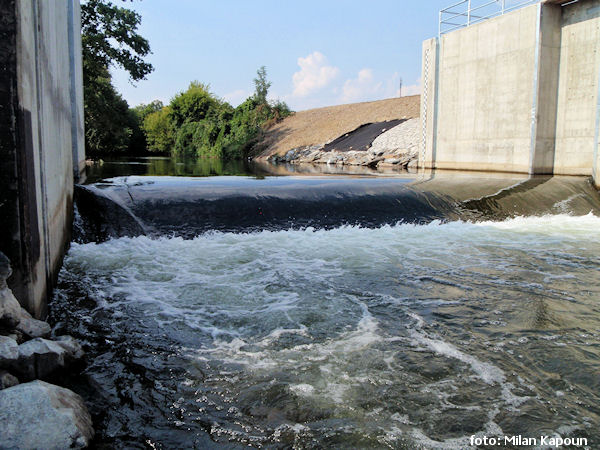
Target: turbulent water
394 336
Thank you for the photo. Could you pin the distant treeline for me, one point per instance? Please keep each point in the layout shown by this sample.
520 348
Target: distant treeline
195 123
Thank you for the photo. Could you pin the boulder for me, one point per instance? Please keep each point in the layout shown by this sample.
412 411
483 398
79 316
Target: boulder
5 270
10 309
72 346
9 351
7 380
25 314
39 415
40 357
32 328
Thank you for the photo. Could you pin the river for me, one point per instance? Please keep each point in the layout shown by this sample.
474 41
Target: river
428 309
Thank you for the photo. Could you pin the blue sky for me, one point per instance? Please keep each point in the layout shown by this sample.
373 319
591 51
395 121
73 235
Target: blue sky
317 52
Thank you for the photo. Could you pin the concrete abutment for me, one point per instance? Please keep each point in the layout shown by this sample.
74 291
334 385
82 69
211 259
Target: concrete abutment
41 140
516 93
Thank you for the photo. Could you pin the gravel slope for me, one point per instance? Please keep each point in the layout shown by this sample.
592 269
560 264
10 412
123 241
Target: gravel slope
322 125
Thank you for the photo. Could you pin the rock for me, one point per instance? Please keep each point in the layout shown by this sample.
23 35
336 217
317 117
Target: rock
33 328
9 351
374 162
72 346
5 270
10 309
289 156
39 415
39 358
7 380
25 314
402 138
14 335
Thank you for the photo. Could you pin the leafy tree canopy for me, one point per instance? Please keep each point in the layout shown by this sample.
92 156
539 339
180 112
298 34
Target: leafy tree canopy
144 110
108 124
199 124
261 85
159 131
109 37
195 104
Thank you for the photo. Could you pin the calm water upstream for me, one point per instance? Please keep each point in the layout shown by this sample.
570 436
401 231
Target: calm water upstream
473 309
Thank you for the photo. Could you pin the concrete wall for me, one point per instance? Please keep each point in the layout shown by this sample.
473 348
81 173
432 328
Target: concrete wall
516 93
46 150
577 112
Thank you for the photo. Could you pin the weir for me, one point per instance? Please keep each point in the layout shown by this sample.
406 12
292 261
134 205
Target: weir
189 207
336 311
419 310
516 93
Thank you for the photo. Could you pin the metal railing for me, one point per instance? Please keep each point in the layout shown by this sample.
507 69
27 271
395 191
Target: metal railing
469 12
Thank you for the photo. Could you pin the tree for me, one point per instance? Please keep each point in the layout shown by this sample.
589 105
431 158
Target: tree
108 123
159 131
261 85
199 124
194 104
138 144
144 110
109 38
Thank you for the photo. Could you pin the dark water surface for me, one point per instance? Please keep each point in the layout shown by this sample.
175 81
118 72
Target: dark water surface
209 167
354 312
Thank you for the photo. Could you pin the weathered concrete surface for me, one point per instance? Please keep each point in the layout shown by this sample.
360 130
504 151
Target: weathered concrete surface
516 93
577 112
41 131
485 94
39 415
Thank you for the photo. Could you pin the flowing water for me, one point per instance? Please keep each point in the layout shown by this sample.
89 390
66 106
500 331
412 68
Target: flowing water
467 317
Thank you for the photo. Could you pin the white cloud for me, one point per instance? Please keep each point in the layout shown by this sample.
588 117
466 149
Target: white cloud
314 74
363 87
412 89
367 87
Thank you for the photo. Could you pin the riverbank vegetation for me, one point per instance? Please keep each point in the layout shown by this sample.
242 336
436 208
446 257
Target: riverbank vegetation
195 123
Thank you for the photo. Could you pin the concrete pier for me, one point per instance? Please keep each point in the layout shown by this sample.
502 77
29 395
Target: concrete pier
516 93
41 139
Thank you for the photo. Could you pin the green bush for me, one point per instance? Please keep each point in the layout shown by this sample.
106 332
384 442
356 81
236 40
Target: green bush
159 131
199 124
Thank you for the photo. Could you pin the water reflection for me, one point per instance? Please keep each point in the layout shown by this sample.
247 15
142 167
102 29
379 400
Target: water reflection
143 166
207 167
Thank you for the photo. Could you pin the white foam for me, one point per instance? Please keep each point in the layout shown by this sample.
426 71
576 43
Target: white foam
302 389
292 301
487 372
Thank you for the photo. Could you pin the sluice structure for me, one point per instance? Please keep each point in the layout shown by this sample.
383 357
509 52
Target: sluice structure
514 89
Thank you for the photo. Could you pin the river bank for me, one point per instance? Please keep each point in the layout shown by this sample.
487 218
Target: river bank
374 134
33 412
382 144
